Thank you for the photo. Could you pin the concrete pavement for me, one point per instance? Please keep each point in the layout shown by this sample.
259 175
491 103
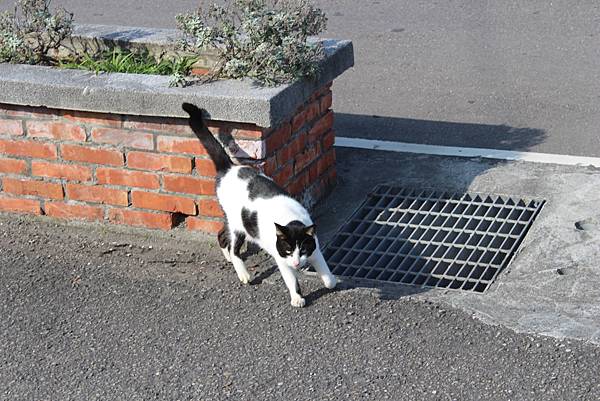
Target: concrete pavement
551 286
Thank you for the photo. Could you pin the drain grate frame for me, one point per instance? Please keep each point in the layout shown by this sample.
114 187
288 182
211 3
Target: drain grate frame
431 238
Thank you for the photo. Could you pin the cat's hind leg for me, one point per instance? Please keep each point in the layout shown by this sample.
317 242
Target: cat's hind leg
238 239
318 262
225 242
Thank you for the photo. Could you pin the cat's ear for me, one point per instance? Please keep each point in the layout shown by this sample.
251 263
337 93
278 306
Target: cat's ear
310 231
281 231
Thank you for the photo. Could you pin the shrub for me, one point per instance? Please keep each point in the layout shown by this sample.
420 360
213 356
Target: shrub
32 31
262 39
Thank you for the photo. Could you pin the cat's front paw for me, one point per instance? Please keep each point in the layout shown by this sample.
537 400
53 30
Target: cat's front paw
298 301
244 277
329 281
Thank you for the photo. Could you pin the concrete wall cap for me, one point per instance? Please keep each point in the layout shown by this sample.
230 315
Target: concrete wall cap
150 95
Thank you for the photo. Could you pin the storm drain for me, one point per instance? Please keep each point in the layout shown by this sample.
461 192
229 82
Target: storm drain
431 239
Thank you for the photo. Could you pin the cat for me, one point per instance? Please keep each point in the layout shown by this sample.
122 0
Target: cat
259 211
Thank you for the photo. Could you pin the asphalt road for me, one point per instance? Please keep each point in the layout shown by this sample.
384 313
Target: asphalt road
521 75
94 314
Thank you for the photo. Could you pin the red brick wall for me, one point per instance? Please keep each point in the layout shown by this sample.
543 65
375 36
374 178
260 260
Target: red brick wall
151 171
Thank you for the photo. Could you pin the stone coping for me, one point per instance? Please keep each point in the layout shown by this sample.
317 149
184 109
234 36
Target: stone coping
150 95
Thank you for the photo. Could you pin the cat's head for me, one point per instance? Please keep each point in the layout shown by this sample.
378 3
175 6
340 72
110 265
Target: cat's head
295 243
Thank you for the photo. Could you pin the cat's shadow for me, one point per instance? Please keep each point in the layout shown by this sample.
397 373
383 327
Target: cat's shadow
263 275
316 294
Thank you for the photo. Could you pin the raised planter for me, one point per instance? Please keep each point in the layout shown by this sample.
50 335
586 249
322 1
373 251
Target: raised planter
117 147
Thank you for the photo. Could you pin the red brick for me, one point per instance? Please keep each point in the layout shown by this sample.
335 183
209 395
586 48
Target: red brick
127 178
97 194
188 185
323 90
312 111
84 117
162 221
248 133
170 125
269 166
55 130
30 187
237 130
199 71
323 125
11 127
28 149
206 167
158 162
210 207
28 111
278 138
326 102
297 186
20 205
72 211
305 158
92 155
199 224
326 161
221 127
70 172
298 120
295 147
13 166
174 144
283 176
130 139
331 177
328 140
313 171
167 203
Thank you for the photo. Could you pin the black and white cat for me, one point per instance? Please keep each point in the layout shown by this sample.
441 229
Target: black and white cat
258 210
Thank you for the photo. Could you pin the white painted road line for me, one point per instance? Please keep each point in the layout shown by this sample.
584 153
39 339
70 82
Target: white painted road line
403 147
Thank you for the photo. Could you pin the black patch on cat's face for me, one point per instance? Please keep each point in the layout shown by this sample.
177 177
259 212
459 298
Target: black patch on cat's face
293 235
259 186
250 221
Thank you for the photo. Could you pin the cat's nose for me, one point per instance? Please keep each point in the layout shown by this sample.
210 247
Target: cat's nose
295 263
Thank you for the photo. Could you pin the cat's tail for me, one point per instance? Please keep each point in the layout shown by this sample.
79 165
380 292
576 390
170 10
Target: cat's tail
213 147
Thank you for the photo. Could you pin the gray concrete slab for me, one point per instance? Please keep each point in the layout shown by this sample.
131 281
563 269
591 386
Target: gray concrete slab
150 95
427 67
551 286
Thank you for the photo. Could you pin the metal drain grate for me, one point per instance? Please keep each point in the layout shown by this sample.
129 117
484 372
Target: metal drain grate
431 239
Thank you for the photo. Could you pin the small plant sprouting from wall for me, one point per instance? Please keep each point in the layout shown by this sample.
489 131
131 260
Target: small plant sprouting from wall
262 39
32 31
124 61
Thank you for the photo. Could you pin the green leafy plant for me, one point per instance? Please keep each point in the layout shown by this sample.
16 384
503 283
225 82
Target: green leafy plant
32 31
124 61
262 39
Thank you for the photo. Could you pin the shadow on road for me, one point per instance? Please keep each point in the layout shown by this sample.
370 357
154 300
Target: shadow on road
438 132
